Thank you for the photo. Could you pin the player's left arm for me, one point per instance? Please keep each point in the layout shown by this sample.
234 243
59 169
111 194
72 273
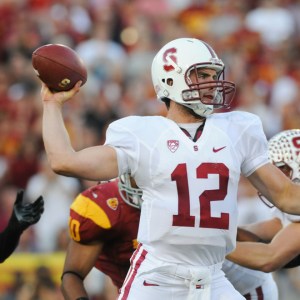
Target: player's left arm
80 259
244 235
283 248
263 231
277 188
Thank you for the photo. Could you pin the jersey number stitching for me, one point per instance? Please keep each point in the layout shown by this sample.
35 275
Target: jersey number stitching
179 175
74 229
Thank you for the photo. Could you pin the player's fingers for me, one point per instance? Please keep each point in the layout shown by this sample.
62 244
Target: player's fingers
59 97
19 197
35 206
46 94
36 213
32 215
43 88
38 203
66 95
74 90
78 85
35 219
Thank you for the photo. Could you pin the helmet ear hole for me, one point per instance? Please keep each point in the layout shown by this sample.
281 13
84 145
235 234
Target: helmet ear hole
170 81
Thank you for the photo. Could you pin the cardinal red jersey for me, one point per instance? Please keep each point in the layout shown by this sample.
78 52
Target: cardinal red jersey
100 213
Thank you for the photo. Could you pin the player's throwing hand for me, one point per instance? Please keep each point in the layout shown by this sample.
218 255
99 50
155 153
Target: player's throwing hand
60 97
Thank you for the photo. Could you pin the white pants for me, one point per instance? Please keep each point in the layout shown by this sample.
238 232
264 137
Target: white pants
151 279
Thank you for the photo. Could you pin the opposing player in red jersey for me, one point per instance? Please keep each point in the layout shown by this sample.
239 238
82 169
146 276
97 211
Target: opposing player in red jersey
103 226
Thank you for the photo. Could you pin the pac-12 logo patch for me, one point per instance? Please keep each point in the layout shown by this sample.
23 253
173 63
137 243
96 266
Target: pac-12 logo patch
112 203
173 145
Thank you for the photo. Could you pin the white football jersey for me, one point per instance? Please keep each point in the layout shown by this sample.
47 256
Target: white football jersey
285 218
189 211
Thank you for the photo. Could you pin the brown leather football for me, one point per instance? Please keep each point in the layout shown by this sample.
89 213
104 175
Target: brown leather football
59 67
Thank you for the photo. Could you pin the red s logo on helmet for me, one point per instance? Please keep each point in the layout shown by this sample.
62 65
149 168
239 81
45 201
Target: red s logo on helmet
169 54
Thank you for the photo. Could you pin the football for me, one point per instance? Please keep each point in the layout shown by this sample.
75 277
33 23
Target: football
59 67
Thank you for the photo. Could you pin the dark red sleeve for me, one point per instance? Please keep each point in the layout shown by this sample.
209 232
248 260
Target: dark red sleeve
94 213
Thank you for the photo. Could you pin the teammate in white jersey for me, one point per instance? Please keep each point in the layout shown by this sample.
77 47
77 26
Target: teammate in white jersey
281 231
189 176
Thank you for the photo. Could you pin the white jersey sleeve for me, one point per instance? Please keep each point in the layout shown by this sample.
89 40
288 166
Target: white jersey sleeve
285 218
125 144
133 138
251 143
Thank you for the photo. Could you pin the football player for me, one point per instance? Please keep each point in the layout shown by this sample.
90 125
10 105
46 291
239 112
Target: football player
188 165
23 216
103 227
111 255
283 248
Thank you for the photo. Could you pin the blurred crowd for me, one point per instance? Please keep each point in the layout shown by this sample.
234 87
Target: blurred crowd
258 40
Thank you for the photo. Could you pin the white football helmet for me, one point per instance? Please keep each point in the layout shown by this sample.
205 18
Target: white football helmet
131 195
283 152
284 149
171 68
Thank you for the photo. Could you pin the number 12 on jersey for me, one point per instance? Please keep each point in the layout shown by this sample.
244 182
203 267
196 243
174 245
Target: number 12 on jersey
184 218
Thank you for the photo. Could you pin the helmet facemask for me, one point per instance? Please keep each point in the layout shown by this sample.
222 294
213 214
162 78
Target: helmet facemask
217 93
131 195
